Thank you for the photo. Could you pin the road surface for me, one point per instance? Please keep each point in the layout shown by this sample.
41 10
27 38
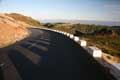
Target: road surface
47 55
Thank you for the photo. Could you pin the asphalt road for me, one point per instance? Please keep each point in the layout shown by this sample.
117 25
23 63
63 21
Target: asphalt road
47 55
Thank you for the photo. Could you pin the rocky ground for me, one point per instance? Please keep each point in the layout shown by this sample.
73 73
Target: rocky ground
111 59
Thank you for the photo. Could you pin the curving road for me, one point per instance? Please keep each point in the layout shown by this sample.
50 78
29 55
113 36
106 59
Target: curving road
47 55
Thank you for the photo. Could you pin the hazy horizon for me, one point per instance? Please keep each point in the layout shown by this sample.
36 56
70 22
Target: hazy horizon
107 23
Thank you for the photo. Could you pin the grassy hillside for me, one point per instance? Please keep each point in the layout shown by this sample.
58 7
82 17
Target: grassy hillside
72 28
25 19
104 37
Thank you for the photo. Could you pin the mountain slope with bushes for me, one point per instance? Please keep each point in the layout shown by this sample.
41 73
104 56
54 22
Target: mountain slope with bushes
106 38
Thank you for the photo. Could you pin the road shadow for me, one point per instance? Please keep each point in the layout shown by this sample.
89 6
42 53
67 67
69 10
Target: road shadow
1 73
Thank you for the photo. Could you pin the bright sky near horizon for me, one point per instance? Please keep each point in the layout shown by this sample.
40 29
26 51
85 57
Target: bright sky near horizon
105 10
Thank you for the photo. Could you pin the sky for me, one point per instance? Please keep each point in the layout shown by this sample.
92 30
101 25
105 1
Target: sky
100 10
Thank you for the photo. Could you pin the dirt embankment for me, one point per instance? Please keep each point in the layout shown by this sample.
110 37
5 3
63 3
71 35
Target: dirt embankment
11 30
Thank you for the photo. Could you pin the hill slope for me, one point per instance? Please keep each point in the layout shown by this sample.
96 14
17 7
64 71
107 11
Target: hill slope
23 18
11 30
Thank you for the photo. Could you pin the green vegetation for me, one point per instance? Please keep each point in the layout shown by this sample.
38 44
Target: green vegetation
105 37
25 19
62 26
87 29
108 44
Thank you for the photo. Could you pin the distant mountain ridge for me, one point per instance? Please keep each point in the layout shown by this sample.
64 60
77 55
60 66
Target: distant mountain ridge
107 23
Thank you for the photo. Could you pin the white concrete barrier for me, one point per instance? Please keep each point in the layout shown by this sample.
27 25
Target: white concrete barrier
71 36
96 52
59 31
76 39
83 43
55 30
68 34
65 33
62 32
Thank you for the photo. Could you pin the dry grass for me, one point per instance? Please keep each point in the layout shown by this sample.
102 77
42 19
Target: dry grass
11 31
25 19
